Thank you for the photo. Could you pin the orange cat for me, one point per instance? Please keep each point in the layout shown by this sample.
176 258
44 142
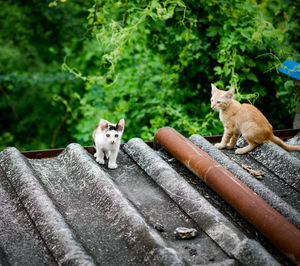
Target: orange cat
242 119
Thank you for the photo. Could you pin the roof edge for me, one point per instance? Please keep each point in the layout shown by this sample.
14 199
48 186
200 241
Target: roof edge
49 153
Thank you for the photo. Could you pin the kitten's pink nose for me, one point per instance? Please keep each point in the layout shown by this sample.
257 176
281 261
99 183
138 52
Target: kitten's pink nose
112 142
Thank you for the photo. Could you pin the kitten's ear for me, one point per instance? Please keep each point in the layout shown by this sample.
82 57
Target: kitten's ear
229 94
213 89
103 124
121 124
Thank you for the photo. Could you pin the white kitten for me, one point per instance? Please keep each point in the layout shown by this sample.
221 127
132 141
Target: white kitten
106 139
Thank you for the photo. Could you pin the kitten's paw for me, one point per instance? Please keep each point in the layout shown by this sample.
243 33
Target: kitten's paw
100 161
95 154
220 146
240 151
112 165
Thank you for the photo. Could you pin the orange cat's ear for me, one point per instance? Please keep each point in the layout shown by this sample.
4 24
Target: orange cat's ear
229 94
103 124
213 89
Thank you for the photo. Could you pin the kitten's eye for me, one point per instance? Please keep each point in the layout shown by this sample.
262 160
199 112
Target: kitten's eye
117 135
211 100
107 135
218 101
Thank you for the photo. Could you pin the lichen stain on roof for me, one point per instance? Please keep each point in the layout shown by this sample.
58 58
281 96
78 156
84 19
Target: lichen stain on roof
70 210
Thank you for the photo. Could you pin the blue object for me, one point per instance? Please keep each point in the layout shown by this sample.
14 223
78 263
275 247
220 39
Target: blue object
291 68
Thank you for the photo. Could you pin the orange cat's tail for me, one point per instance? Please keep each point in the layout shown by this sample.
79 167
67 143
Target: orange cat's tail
279 142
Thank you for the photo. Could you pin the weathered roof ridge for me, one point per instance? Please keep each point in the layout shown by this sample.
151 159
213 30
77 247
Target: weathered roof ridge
107 199
224 233
281 162
19 238
118 212
269 196
115 207
48 220
113 217
284 235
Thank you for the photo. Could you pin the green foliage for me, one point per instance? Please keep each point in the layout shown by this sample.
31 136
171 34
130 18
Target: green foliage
157 60
37 108
35 95
151 62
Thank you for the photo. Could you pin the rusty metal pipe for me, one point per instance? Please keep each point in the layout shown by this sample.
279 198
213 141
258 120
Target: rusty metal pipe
284 235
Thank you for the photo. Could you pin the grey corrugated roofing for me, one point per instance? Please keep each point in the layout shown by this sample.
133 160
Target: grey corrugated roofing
70 210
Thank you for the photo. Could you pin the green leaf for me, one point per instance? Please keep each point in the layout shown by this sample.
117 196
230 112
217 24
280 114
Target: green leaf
252 77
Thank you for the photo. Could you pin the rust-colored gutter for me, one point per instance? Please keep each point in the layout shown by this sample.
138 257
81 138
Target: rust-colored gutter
284 235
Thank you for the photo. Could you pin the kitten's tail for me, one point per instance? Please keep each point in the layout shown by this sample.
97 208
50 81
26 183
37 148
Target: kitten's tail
279 142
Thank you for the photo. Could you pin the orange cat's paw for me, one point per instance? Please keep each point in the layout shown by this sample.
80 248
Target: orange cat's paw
229 147
241 151
220 146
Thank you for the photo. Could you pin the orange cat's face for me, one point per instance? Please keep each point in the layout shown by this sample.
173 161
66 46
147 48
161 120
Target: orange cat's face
220 100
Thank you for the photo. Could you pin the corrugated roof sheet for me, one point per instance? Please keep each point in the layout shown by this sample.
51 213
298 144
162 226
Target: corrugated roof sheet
70 210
